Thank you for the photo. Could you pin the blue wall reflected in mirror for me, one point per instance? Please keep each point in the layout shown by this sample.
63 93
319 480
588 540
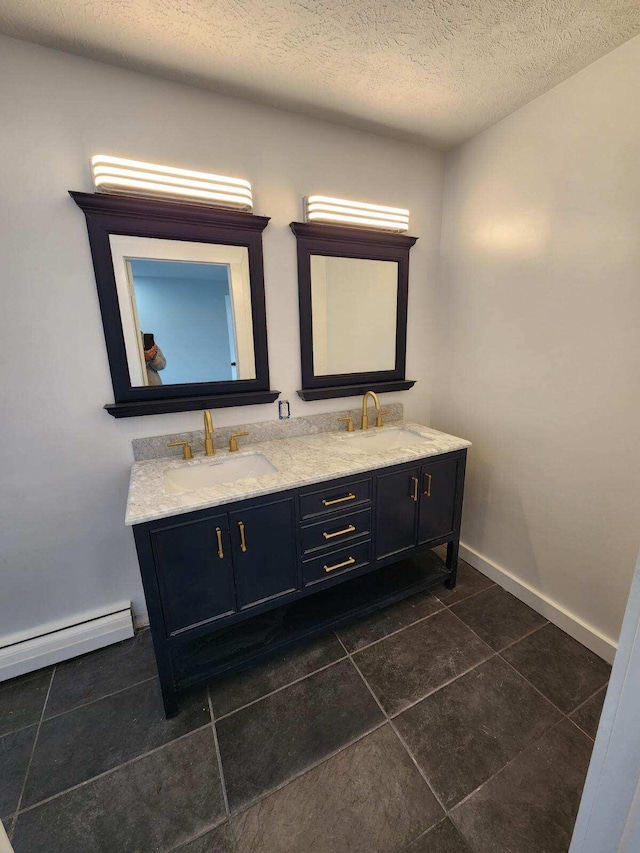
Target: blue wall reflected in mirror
187 307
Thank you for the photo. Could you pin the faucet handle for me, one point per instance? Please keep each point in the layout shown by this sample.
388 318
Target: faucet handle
233 441
381 414
349 421
186 448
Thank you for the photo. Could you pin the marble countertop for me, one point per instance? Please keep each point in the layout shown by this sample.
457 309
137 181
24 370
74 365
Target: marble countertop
299 461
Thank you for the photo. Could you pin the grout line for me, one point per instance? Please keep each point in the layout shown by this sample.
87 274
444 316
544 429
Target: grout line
467 597
392 633
553 705
223 784
277 690
397 734
112 769
177 847
33 751
498 772
580 729
100 698
514 642
499 654
441 686
589 698
308 769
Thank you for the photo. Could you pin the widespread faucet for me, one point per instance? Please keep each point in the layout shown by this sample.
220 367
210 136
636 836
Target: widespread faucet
364 423
209 449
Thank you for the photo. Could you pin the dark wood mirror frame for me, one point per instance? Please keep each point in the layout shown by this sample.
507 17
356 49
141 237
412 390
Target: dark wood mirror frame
338 241
169 220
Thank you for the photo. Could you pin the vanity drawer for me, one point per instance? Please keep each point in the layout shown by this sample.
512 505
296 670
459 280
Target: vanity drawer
336 563
335 531
335 498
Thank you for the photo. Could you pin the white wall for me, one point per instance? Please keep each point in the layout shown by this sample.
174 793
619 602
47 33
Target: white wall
354 310
64 461
539 362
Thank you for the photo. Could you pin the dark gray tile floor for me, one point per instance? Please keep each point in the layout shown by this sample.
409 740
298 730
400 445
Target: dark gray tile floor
454 722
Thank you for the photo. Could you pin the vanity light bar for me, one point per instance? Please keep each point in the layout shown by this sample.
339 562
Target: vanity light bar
116 175
319 208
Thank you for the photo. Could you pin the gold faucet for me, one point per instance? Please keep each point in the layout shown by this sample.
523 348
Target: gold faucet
209 449
364 423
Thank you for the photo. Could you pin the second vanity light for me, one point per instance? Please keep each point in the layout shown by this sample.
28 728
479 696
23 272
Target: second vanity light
339 211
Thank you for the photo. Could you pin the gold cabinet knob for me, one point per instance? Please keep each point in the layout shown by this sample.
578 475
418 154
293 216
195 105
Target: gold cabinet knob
233 441
186 448
349 422
380 416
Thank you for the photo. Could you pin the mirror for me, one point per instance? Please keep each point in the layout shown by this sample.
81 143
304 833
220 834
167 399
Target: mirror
186 311
182 299
353 286
354 313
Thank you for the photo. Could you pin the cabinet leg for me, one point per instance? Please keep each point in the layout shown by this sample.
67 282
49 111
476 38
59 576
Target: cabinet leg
170 702
452 563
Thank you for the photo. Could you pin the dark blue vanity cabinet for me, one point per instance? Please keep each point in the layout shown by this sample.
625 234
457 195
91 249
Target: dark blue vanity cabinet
263 541
226 587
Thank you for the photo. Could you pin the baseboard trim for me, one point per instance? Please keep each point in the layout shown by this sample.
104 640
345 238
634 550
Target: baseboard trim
577 628
54 643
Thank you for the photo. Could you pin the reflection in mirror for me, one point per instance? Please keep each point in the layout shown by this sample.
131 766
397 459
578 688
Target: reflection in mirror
186 311
354 303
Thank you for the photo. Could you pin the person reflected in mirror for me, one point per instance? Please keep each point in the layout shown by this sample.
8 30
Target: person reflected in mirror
154 359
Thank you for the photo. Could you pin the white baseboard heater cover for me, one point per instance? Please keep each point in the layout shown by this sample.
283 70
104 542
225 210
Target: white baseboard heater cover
55 642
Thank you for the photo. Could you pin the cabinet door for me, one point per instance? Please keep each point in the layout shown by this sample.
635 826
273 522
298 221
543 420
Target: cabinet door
396 509
193 566
264 551
437 499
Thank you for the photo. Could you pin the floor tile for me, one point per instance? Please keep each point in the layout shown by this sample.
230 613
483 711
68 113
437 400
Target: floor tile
443 838
386 621
408 665
84 679
463 734
367 799
148 805
81 744
239 690
219 840
498 617
15 752
587 716
561 668
531 805
22 700
265 744
468 582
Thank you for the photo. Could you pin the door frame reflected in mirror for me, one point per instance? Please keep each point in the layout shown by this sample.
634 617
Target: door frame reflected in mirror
169 220
126 250
344 242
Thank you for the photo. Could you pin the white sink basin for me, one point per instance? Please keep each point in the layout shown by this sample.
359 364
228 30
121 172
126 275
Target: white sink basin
230 469
377 441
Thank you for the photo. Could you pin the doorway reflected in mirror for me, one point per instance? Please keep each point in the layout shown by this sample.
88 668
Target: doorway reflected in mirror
185 311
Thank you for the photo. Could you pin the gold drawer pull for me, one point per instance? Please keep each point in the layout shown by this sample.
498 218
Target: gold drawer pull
219 537
428 489
349 529
414 495
349 497
243 540
348 562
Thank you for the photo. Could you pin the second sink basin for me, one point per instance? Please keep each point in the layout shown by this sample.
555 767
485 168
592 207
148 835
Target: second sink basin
377 441
230 469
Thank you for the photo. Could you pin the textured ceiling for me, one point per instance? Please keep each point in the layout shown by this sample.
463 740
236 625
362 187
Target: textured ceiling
432 70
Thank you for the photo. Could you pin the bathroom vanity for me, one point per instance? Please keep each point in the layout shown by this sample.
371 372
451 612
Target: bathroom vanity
246 553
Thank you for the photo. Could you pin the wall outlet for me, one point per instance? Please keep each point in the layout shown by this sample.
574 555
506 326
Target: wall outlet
284 411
